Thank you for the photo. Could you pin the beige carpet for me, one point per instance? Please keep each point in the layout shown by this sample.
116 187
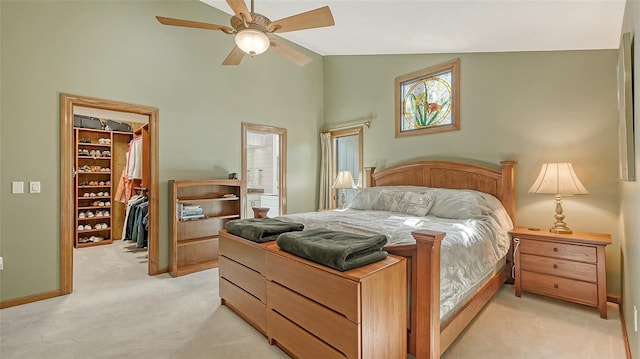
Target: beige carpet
117 311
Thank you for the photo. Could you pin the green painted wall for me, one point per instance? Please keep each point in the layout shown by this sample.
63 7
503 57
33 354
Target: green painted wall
630 197
116 50
531 107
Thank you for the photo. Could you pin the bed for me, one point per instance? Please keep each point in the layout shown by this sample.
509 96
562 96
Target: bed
429 335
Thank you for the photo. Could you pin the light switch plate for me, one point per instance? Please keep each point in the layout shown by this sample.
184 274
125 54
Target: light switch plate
34 187
17 187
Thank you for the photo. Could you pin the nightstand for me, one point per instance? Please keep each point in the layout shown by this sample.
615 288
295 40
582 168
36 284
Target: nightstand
564 266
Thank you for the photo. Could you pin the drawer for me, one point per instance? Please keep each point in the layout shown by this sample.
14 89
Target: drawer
333 291
296 341
333 328
245 305
559 250
559 267
244 277
245 252
573 290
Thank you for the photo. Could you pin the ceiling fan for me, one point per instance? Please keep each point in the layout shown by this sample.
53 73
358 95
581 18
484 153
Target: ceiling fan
251 29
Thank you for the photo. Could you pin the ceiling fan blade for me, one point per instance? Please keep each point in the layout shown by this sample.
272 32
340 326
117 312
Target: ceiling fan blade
307 20
290 53
240 8
234 57
194 24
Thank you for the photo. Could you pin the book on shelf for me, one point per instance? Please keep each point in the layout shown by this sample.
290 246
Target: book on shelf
192 217
188 212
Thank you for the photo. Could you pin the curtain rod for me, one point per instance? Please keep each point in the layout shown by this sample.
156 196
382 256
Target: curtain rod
366 123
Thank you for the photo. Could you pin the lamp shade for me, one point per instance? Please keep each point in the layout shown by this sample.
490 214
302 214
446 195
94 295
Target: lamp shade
557 178
252 42
344 180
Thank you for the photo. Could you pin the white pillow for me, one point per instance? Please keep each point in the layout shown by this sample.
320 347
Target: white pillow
462 203
416 204
366 197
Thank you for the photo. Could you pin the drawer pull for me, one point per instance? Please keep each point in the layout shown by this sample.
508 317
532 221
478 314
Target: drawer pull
555 266
555 249
556 286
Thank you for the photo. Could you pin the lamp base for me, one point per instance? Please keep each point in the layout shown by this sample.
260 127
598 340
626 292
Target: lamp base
343 204
561 230
559 226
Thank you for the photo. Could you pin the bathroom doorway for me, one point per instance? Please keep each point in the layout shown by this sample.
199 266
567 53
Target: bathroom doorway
263 170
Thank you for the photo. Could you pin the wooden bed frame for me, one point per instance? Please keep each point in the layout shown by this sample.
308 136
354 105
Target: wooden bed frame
426 338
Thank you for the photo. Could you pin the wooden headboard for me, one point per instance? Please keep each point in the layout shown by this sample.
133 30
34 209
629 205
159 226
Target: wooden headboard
453 175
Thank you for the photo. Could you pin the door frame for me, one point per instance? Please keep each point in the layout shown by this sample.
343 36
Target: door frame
282 182
67 205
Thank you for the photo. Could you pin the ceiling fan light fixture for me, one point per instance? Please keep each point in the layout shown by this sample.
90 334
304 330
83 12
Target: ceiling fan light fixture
252 42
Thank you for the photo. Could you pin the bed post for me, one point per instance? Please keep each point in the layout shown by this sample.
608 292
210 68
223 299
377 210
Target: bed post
508 188
427 323
368 177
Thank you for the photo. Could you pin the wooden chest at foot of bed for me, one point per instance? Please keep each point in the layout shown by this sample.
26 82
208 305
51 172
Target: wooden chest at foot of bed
316 311
312 311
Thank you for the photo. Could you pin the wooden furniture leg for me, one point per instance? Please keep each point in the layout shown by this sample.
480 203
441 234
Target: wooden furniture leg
427 326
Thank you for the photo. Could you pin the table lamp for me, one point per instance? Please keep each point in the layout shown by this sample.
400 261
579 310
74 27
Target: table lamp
558 179
344 181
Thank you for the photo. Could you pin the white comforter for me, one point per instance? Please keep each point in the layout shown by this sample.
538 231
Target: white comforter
471 250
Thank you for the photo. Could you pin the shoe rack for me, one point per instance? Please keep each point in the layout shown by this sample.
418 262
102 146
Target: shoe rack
99 154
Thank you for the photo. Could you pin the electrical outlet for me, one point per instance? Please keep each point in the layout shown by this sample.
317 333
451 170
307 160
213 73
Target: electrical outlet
635 318
1 263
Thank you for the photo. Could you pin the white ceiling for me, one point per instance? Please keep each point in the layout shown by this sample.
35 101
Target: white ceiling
365 27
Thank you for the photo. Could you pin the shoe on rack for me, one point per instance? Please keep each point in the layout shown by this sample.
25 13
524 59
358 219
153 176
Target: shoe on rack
90 214
99 194
83 183
106 194
86 194
101 183
82 215
86 152
92 194
101 204
106 213
80 227
107 183
107 204
99 214
87 227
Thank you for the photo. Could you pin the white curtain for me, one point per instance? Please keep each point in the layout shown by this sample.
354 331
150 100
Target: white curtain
325 170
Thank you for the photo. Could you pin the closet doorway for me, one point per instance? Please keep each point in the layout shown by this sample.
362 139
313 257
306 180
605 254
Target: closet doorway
264 162
77 182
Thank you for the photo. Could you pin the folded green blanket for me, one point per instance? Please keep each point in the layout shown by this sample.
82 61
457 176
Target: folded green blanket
339 250
261 229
